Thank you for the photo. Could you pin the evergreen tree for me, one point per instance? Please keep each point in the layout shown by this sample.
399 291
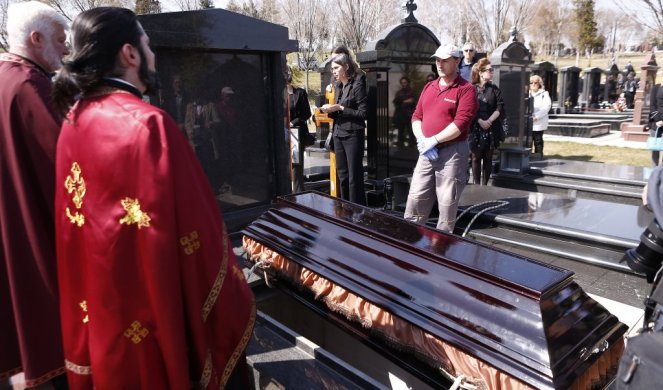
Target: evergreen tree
148 7
205 4
587 32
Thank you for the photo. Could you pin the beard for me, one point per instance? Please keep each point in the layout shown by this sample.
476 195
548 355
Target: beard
51 58
149 77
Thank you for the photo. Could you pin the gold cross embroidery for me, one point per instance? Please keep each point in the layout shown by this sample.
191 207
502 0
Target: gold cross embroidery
190 243
134 214
83 306
136 333
75 185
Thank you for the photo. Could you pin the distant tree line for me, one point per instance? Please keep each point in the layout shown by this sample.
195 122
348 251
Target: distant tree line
320 24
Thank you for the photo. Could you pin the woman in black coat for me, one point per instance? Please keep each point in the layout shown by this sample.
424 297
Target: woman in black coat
349 115
486 131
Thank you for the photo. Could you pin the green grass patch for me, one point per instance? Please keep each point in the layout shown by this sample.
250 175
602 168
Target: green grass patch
604 154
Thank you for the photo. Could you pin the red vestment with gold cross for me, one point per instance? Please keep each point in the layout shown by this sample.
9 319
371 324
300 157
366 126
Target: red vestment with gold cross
152 296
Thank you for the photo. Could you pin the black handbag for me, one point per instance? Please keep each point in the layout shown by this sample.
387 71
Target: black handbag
308 139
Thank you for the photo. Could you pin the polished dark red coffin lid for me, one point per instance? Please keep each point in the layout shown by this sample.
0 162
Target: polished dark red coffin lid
524 317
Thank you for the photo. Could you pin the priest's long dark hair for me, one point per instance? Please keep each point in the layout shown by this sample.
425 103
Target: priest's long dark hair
97 37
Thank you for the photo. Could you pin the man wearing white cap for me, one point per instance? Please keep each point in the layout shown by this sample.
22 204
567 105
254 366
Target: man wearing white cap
441 123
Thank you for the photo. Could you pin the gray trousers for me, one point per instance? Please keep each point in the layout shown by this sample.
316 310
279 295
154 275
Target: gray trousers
442 180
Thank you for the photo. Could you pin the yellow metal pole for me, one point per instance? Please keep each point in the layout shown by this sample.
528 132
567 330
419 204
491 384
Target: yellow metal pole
333 181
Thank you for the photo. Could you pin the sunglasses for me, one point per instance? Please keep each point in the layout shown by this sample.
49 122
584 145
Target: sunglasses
468 50
491 70
533 82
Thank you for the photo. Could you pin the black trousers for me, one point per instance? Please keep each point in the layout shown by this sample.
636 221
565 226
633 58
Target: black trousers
630 98
537 140
349 152
482 165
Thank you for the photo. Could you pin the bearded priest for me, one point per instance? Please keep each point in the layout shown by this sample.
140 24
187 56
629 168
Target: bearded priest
152 296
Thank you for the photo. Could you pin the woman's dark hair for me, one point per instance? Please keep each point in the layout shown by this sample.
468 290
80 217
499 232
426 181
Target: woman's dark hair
343 60
342 49
97 36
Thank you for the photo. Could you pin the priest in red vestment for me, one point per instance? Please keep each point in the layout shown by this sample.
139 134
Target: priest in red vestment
152 296
30 336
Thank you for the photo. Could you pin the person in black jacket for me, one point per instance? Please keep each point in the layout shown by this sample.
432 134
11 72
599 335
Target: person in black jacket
486 130
299 113
349 114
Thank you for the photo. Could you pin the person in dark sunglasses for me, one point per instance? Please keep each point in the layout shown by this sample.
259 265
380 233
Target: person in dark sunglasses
465 67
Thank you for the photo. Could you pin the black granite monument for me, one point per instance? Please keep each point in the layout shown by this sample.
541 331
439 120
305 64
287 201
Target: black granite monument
222 81
398 52
569 89
549 74
591 88
511 61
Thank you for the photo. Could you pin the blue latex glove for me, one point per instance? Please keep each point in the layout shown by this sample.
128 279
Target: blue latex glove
432 155
424 144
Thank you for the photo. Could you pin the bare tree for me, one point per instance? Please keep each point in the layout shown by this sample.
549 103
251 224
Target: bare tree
387 14
549 29
490 27
522 14
3 25
357 20
70 8
187 5
651 17
266 10
308 24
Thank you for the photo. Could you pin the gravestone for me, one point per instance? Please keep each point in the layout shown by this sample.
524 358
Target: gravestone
569 89
637 130
401 51
610 89
548 72
225 91
591 88
511 62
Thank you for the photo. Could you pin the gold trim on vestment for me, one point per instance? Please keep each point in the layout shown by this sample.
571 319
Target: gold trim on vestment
10 373
241 346
207 371
44 378
220 277
76 369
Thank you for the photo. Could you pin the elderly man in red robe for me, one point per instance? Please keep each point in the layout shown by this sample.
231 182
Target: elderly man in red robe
30 337
152 296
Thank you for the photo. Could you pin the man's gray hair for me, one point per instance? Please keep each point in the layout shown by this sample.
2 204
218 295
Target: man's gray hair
26 17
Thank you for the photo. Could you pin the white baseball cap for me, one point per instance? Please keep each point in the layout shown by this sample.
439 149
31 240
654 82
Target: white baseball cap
445 51
227 90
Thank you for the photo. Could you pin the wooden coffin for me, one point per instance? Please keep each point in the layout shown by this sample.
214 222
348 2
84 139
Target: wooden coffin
499 319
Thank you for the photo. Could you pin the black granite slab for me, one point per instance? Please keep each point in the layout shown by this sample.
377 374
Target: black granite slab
623 222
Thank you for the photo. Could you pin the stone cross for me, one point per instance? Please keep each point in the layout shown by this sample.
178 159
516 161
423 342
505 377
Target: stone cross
514 34
410 7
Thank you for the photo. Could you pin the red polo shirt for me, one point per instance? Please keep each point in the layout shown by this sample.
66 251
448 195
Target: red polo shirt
438 106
